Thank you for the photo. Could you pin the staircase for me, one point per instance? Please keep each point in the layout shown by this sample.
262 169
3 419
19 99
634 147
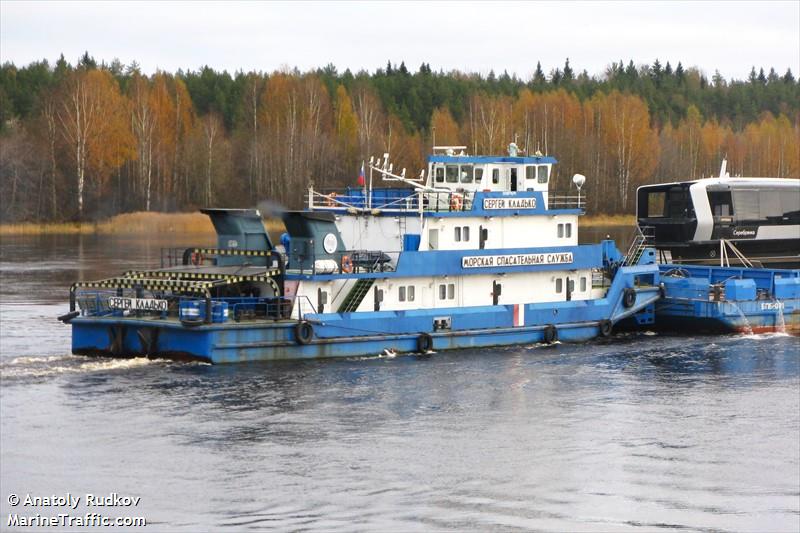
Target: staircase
356 295
643 236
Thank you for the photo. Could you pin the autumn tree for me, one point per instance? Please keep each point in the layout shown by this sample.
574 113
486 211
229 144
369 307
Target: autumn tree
94 123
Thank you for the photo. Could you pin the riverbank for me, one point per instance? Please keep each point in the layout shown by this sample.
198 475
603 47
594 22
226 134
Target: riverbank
139 223
143 223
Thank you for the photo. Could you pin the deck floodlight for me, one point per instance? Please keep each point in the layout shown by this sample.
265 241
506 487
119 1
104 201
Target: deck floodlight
579 180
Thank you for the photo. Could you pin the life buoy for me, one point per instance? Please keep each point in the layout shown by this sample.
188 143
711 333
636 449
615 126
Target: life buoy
550 334
330 199
197 258
424 343
347 264
605 328
456 202
303 332
629 297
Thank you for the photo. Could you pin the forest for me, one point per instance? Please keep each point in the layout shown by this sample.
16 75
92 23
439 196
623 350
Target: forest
89 140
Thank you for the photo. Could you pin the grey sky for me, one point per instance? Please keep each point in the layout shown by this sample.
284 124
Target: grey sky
469 36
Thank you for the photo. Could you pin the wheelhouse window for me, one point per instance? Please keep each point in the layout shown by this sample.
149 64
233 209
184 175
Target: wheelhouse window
478 174
495 175
467 172
544 173
439 171
401 296
458 233
530 172
451 173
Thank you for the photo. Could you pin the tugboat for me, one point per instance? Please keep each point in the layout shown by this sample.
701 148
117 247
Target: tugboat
475 252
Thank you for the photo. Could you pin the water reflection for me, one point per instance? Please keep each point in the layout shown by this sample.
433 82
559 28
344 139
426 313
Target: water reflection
639 431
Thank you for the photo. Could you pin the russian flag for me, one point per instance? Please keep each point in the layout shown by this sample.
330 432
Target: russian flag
361 180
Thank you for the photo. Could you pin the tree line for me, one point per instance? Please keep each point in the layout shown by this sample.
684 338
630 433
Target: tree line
91 140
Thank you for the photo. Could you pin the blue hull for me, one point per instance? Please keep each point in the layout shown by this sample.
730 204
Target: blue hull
364 333
261 343
748 300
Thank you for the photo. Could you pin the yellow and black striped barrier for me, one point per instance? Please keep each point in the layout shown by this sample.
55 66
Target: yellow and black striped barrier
139 274
230 251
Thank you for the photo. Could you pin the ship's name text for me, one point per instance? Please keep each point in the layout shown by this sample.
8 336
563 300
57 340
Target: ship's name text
137 304
509 203
512 260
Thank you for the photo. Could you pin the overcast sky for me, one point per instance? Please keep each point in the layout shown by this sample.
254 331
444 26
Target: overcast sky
469 36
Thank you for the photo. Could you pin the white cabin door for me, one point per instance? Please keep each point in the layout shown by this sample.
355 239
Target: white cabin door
433 239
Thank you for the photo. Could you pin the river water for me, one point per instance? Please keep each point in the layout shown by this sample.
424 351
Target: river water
637 432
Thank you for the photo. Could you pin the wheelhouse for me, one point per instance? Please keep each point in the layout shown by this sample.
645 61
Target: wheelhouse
462 173
669 210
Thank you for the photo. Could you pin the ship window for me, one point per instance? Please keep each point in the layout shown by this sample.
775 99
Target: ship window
583 283
530 172
458 233
439 174
323 297
746 204
410 293
677 203
543 174
495 175
466 173
379 295
401 294
452 173
451 291
442 292
770 204
568 230
721 205
570 285
560 231
790 206
478 174
465 233
559 285
655 204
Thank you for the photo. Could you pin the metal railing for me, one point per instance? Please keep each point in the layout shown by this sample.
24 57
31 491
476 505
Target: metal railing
565 201
390 200
348 261
95 303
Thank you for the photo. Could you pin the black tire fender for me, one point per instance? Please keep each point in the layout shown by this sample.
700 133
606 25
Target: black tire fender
550 334
629 297
605 327
424 343
303 332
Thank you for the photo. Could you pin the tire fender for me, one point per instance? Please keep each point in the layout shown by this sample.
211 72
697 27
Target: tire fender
550 334
629 297
303 332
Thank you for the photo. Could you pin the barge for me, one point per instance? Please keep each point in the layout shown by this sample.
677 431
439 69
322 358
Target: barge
730 253
475 252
